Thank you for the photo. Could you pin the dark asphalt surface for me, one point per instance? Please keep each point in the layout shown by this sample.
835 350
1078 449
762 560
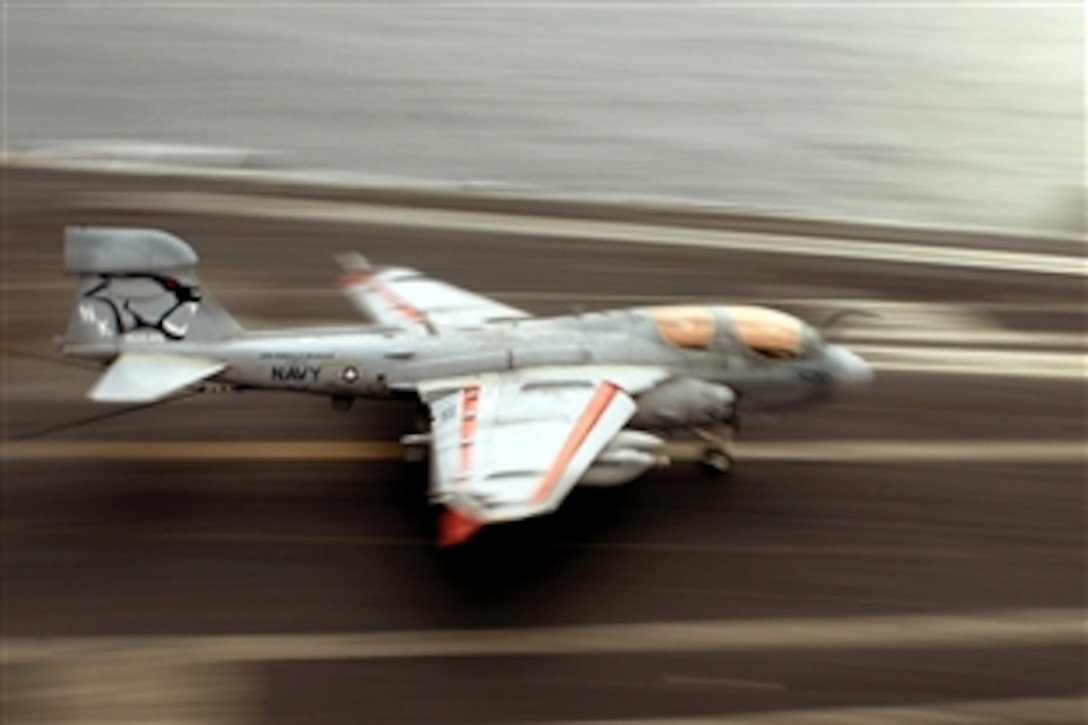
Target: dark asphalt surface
109 547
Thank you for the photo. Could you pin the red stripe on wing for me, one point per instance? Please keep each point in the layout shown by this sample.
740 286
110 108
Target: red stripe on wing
405 310
598 404
470 399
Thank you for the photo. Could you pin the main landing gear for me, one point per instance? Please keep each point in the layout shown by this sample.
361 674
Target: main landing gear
717 458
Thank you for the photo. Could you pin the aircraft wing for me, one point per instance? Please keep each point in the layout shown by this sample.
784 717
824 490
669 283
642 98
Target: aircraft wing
511 445
403 297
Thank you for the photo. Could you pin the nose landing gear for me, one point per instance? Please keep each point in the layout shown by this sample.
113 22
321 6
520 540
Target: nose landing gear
717 458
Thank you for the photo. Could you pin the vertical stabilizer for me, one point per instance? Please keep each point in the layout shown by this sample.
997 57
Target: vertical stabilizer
138 285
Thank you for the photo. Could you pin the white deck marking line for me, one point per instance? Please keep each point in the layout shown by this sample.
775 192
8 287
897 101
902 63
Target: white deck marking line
831 451
961 339
317 180
980 362
892 326
259 207
1035 710
1006 628
888 309
121 688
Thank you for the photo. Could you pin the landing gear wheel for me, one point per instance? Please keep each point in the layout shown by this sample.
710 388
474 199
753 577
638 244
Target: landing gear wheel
716 459
716 462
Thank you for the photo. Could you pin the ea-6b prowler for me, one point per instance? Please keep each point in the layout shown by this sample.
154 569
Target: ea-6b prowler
521 408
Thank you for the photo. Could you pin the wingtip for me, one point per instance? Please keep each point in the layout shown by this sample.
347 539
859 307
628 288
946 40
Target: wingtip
353 262
455 528
355 270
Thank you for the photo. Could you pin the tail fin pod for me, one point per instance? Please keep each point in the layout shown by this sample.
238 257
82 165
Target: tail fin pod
138 284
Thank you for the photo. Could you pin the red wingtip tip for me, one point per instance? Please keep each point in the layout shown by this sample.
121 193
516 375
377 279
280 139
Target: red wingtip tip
352 278
456 528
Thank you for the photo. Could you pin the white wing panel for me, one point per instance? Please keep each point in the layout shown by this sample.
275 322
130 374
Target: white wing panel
404 297
508 446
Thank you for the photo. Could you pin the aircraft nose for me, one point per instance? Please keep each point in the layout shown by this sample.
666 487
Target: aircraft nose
848 370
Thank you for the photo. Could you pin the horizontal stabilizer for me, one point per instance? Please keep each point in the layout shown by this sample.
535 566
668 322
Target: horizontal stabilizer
147 377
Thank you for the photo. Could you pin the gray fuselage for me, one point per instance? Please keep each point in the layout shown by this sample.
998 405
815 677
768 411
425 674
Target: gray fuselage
362 361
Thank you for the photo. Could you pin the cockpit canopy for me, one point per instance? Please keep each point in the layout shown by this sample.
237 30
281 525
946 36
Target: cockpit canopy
689 327
762 330
768 332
